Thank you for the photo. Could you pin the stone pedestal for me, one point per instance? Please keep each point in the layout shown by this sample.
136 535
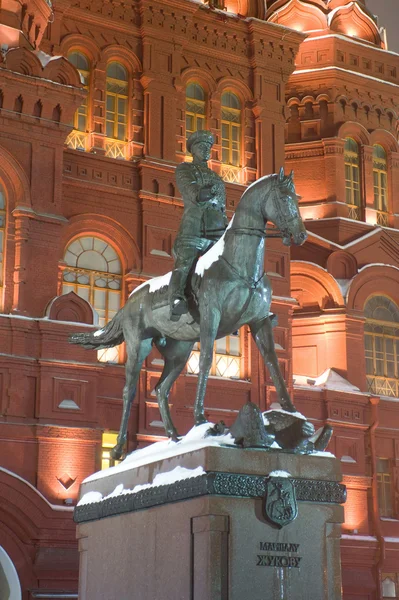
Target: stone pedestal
209 537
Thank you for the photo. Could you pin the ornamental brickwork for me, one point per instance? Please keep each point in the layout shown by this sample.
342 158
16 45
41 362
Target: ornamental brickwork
93 110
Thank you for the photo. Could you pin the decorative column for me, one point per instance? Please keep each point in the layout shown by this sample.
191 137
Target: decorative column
210 556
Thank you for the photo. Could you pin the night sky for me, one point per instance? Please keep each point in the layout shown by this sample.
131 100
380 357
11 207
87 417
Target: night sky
388 13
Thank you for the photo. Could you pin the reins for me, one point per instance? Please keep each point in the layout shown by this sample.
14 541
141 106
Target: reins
257 232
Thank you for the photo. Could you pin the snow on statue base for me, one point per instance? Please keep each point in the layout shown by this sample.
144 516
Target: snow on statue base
205 520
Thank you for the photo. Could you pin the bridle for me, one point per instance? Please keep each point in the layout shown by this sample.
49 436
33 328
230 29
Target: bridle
282 217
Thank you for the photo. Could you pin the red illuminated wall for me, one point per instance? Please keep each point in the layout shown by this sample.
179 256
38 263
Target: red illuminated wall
337 83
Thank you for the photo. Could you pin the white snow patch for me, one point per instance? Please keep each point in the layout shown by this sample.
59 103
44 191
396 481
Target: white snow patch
362 538
212 255
90 498
378 265
279 474
349 72
98 332
154 284
344 285
331 380
207 260
276 407
195 439
323 454
177 474
45 58
275 444
347 459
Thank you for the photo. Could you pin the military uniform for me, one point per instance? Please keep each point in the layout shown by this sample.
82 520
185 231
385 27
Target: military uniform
204 219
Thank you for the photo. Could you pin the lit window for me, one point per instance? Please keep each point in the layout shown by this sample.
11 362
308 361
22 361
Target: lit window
384 484
381 335
389 585
80 61
2 234
226 358
116 101
109 439
231 129
380 175
352 178
195 108
93 272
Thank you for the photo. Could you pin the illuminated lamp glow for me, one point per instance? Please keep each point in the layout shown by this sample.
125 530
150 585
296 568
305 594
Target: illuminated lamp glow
355 510
312 212
371 216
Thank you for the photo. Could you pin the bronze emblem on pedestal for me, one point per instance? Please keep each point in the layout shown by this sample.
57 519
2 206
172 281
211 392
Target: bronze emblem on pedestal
280 505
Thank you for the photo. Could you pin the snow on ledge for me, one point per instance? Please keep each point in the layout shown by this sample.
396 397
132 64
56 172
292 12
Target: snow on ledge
177 474
195 439
276 407
279 474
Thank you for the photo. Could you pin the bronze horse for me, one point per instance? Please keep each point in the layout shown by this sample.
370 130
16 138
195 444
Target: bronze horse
228 289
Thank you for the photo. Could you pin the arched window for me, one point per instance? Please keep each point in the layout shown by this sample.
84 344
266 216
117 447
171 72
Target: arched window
380 175
231 129
195 108
227 358
116 101
76 139
352 178
381 335
93 272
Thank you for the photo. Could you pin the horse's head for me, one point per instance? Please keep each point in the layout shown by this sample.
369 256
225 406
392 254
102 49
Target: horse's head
281 208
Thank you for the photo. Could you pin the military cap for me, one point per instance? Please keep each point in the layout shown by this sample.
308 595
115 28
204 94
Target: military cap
200 136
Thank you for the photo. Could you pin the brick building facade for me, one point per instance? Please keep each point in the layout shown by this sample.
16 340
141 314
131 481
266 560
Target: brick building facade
96 101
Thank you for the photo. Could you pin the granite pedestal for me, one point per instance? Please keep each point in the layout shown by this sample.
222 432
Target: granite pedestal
208 537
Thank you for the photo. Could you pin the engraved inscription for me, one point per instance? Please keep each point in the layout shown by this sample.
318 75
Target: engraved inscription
278 560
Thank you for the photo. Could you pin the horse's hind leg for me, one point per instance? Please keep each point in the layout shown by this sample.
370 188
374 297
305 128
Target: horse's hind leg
262 333
136 354
176 355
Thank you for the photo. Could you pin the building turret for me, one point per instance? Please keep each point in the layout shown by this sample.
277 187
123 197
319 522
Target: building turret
23 23
345 17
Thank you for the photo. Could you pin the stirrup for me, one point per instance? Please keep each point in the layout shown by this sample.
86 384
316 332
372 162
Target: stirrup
179 308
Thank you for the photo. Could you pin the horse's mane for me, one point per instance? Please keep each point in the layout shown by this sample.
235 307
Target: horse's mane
255 183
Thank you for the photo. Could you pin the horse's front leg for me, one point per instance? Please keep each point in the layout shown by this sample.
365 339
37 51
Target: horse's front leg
262 333
209 326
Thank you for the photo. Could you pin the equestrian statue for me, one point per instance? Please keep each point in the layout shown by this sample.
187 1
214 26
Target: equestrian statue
218 285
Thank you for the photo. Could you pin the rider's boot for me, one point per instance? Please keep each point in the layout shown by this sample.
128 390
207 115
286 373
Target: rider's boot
178 300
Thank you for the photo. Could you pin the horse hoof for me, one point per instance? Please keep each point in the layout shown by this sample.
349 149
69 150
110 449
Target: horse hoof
174 437
117 452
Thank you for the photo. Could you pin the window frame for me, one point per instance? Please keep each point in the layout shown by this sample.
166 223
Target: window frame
105 313
84 108
231 126
117 96
192 369
353 188
377 353
385 490
380 171
198 116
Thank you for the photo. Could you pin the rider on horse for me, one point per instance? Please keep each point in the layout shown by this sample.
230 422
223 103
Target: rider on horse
204 219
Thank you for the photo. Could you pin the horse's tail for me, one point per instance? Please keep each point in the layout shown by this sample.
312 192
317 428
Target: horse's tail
109 336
